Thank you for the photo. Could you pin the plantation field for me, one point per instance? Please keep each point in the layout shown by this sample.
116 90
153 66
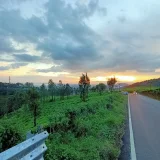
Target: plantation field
78 130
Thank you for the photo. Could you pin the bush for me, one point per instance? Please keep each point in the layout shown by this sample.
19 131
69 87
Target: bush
9 137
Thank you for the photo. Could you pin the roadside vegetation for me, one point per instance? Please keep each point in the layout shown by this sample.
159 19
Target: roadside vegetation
82 124
150 91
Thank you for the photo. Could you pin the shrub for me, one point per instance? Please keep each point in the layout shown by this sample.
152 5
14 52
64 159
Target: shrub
10 135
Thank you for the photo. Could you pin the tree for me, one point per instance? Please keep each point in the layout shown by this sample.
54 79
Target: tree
111 82
61 89
84 84
29 85
15 101
9 137
52 89
43 92
33 97
93 89
20 99
68 90
75 91
101 87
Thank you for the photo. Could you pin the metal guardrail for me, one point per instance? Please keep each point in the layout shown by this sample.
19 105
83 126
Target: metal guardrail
31 149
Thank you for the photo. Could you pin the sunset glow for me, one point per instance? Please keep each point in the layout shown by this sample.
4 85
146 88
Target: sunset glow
126 78
119 78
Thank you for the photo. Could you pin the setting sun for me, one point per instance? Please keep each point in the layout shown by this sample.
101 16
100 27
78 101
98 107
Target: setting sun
126 78
119 78
100 78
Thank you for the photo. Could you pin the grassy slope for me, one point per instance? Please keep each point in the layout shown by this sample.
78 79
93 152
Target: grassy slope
95 132
153 92
139 88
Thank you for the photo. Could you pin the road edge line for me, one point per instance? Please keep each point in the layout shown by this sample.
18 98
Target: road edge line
132 145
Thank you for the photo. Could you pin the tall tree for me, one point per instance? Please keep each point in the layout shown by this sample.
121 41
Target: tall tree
61 89
52 89
84 84
68 90
111 82
101 87
33 97
29 85
43 92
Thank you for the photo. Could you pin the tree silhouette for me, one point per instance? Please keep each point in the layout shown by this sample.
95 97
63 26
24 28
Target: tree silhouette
111 82
68 90
84 84
33 97
43 92
52 88
101 87
61 89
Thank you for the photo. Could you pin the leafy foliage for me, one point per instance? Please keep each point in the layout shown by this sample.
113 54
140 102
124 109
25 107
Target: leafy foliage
33 97
61 90
84 84
9 137
101 88
78 130
43 92
52 89
13 102
111 82
153 92
68 90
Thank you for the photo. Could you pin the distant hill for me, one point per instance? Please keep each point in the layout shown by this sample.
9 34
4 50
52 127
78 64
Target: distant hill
152 82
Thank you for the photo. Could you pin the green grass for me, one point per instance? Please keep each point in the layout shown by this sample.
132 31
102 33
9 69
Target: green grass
82 130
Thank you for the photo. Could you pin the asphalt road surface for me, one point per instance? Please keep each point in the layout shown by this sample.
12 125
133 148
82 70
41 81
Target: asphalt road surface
145 115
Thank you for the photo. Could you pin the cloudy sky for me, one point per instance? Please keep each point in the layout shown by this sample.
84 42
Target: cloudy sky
60 39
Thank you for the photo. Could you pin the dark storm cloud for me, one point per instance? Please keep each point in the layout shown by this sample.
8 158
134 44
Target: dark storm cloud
12 66
17 65
156 37
122 19
70 38
4 68
63 35
52 69
129 59
6 46
12 24
26 58
88 10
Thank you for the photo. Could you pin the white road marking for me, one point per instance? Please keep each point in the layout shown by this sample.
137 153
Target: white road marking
133 151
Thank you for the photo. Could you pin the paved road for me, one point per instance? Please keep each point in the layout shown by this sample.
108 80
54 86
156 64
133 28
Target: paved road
145 114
